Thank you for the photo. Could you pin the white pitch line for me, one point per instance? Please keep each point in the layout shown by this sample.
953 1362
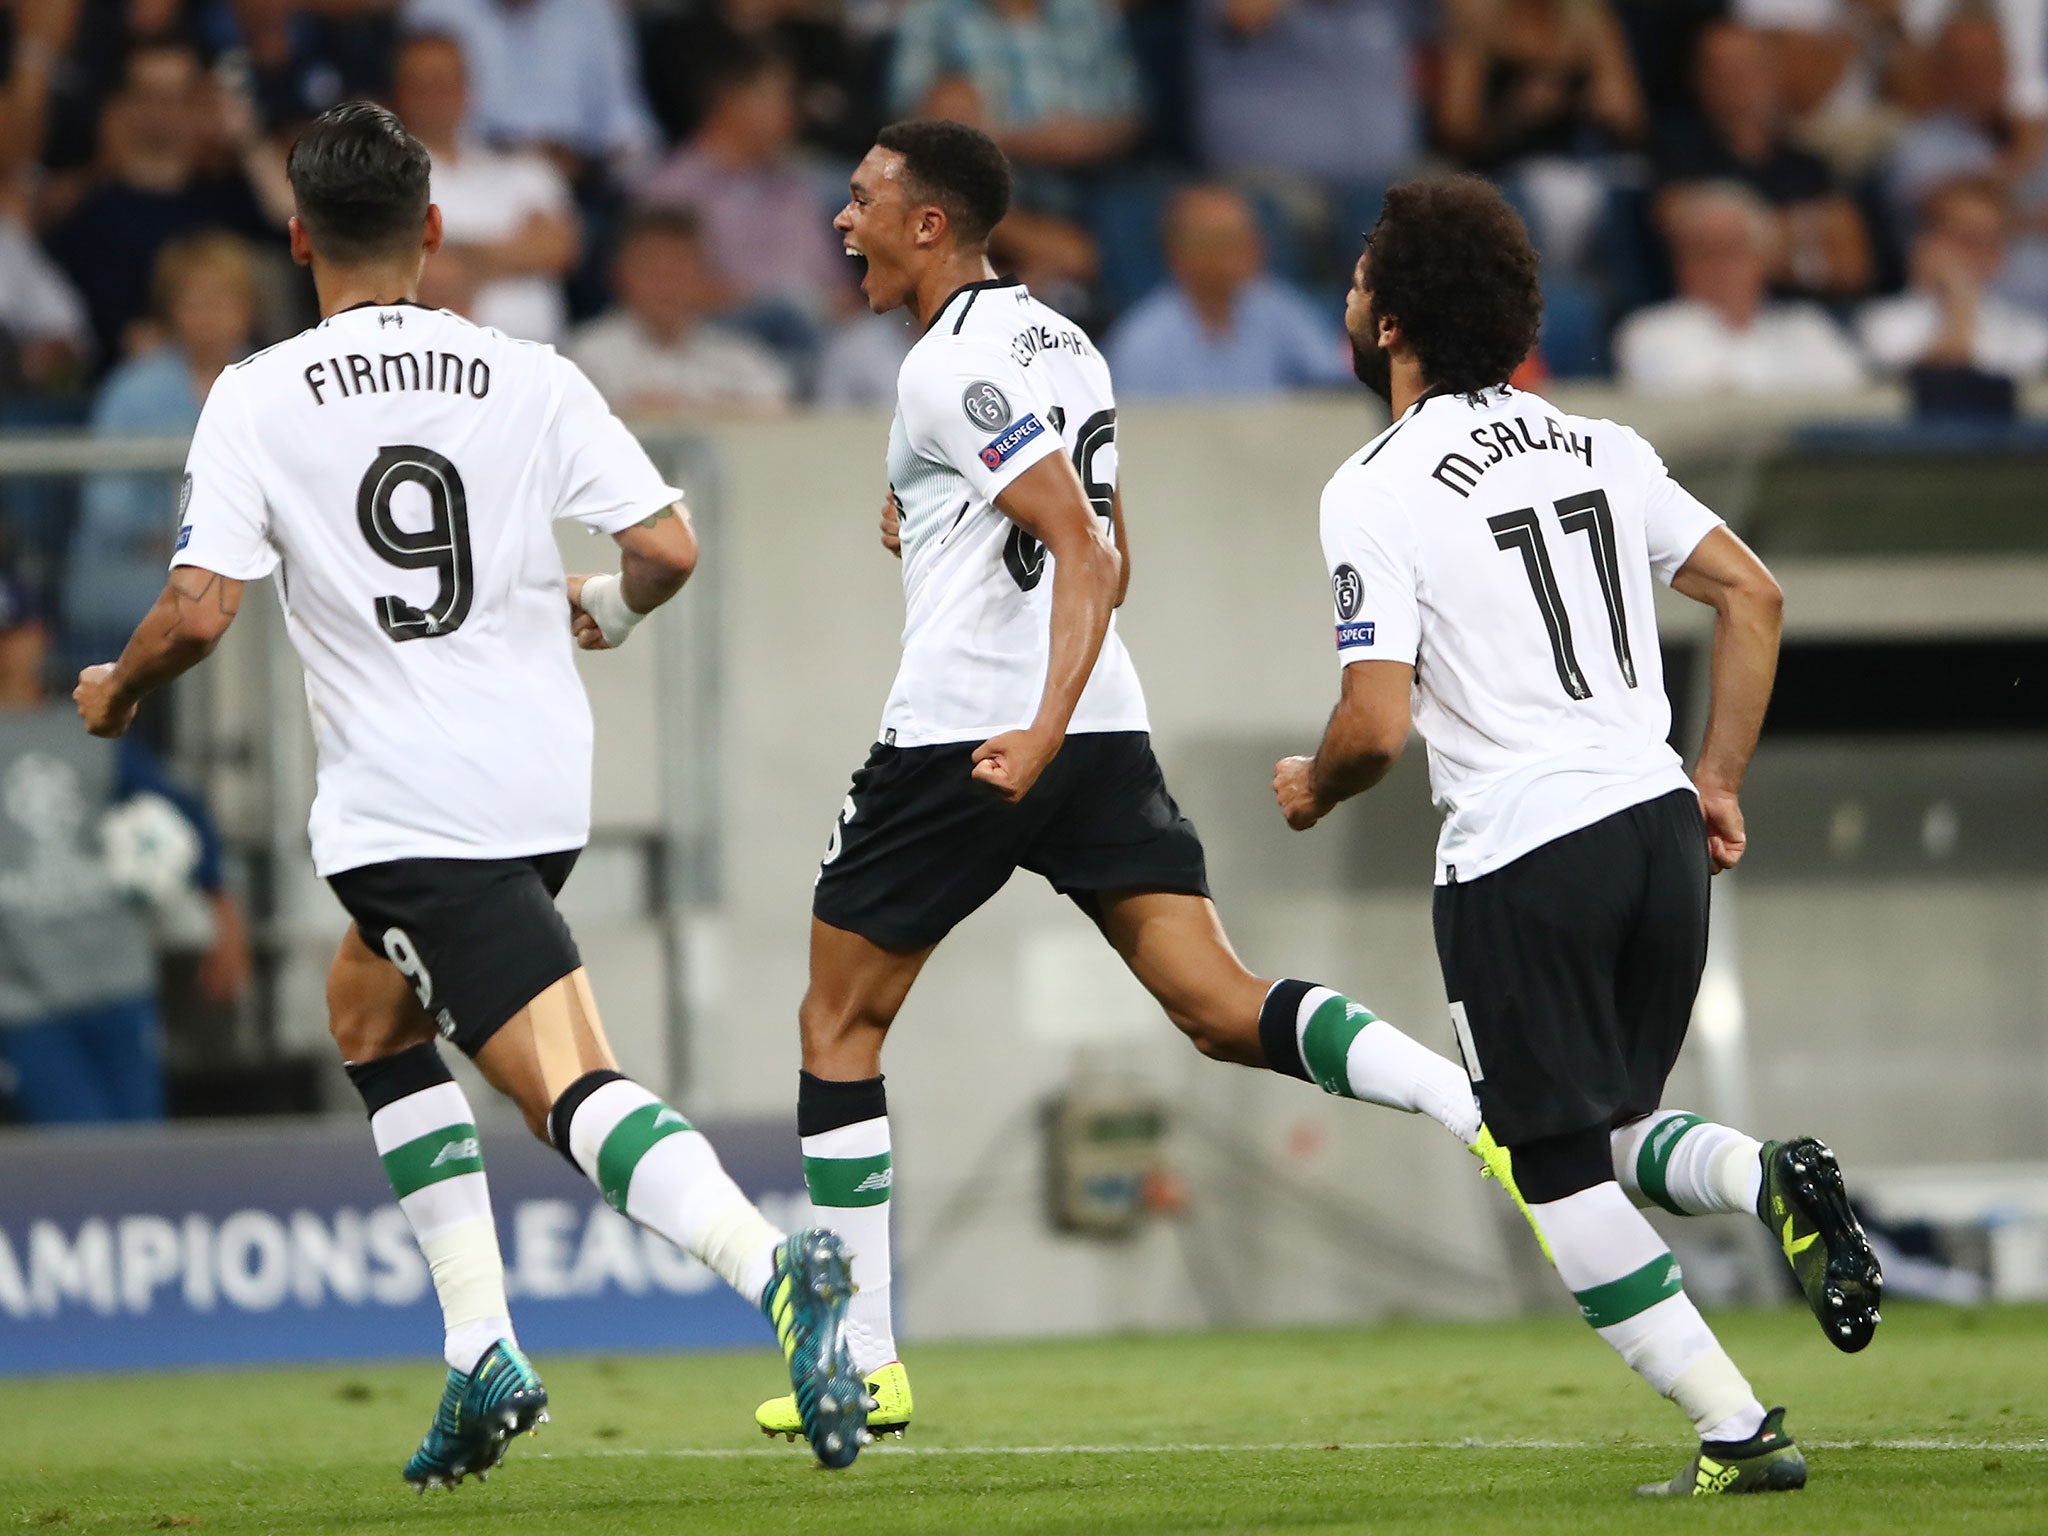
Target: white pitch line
725 1453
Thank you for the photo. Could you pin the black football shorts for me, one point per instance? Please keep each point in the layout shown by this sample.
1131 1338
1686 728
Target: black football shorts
921 843
479 939
1572 970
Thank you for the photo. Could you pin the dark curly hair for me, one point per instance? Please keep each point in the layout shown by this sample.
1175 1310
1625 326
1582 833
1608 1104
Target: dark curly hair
360 182
957 167
1452 266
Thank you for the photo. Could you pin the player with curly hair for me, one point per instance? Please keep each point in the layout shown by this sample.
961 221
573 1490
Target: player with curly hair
1491 560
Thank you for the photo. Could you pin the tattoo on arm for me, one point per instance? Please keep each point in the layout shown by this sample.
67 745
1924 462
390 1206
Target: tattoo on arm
193 610
193 587
649 522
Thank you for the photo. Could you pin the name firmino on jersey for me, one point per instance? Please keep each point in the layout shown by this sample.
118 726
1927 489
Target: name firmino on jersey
1456 472
438 372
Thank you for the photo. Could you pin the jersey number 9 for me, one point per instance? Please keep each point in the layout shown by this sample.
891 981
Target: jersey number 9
1023 555
442 546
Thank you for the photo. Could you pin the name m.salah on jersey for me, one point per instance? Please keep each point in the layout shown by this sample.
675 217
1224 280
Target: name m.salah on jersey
1503 439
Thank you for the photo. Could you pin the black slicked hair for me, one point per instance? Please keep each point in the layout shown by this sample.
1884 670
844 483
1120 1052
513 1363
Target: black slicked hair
957 167
1451 265
361 183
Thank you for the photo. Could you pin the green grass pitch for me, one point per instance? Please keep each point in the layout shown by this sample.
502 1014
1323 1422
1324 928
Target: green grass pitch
1473 1429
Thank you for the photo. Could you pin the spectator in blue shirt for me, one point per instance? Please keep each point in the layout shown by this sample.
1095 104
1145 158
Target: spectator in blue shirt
1056 84
555 75
1319 90
79 1029
204 303
1222 326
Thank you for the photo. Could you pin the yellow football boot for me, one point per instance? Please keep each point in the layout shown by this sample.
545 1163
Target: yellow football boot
1500 1166
890 1415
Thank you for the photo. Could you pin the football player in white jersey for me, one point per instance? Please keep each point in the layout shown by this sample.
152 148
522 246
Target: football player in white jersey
1491 559
399 471
1015 736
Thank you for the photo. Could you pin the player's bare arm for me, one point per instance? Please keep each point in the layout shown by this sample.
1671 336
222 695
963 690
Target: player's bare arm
1047 502
192 612
656 556
1364 739
1749 615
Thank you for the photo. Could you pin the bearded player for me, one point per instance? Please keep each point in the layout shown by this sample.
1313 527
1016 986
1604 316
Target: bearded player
1492 558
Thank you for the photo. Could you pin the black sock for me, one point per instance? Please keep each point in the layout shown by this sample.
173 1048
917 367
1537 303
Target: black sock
824 1105
1278 1036
391 1078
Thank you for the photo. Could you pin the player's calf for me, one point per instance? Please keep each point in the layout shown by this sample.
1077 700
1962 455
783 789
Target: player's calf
427 1139
1310 1032
1687 1165
850 1173
1175 945
1221 1027
653 1166
1628 1285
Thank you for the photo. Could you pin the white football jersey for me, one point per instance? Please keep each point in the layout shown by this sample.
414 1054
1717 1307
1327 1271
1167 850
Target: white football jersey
1505 548
996 384
400 471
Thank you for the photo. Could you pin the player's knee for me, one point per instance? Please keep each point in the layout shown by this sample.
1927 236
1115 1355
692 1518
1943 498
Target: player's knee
841 1037
1191 1023
1215 1029
1219 1016
366 1033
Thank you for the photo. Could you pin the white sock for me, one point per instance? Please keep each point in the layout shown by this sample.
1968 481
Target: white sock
1352 1052
1629 1289
850 1172
431 1154
1688 1166
650 1164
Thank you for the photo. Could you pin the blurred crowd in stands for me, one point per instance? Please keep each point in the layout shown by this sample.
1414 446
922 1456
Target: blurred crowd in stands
1745 195
1728 194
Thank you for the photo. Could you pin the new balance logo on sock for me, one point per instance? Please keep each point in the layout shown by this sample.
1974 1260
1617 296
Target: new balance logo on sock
1666 1134
469 1149
881 1178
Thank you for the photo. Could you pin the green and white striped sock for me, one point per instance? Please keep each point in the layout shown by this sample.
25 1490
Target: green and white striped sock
1688 1166
1350 1051
1631 1293
435 1162
850 1172
653 1166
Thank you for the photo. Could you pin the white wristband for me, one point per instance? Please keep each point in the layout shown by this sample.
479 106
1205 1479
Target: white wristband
604 599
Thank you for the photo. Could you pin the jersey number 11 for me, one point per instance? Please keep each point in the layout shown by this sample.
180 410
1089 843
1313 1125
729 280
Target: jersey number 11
1588 514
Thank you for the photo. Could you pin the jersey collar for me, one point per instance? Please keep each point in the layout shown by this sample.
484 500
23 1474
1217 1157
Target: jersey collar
1434 392
349 309
973 290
